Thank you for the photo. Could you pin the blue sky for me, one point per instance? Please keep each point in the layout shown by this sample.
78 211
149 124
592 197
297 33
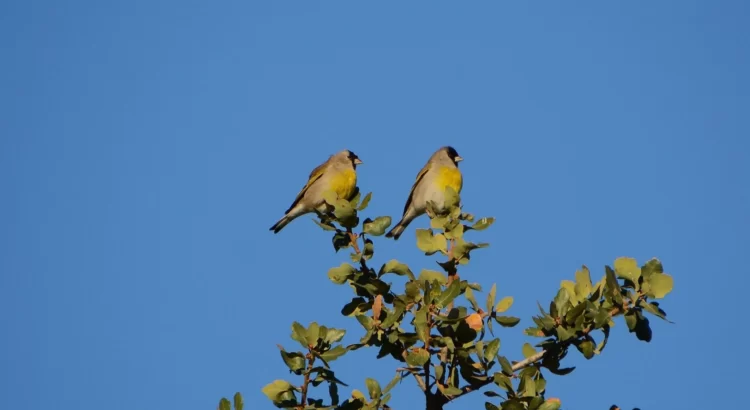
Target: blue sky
147 146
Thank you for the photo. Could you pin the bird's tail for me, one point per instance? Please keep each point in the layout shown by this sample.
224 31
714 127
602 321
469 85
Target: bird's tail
397 230
278 226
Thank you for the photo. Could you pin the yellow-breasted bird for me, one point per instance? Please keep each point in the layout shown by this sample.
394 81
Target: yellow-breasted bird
338 173
440 172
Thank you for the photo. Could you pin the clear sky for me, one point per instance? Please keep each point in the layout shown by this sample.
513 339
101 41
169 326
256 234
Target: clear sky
147 146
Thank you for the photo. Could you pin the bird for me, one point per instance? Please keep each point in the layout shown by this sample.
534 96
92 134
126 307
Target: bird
441 171
337 173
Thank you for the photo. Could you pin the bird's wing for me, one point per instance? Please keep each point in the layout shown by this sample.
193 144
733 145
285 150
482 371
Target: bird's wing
421 175
314 176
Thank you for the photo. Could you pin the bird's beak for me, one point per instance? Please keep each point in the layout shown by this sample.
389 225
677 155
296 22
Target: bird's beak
458 159
357 161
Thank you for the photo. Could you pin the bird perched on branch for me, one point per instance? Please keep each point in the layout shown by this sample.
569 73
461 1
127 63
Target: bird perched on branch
441 171
338 173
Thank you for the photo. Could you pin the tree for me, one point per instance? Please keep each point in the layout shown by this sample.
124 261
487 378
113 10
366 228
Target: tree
437 331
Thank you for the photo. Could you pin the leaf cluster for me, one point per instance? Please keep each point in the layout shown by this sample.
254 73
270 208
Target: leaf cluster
433 326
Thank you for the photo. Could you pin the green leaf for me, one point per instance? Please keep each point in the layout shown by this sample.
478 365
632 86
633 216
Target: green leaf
225 404
412 290
313 334
643 329
438 222
394 266
561 371
429 243
355 199
369 250
505 365
483 224
491 298
627 268
326 226
502 381
299 333
613 287
294 360
469 295
583 282
529 387
660 285
365 321
651 267
333 354
528 350
345 214
353 308
439 243
431 275
504 304
417 357
490 406
587 348
333 391
564 334
541 384
462 248
341 240
425 241
439 370
393 382
450 390
603 343
393 316
479 346
450 293
334 335
562 298
654 309
631 321
569 287
420 323
238 402
491 350
276 388
365 202
507 321
340 274
373 387
378 226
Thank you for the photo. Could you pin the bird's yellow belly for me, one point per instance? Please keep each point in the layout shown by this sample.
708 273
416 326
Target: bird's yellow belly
344 183
450 177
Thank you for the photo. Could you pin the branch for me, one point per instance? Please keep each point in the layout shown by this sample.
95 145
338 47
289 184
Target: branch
427 392
529 361
306 383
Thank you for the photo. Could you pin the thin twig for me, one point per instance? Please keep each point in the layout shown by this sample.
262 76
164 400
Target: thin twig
353 238
417 377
